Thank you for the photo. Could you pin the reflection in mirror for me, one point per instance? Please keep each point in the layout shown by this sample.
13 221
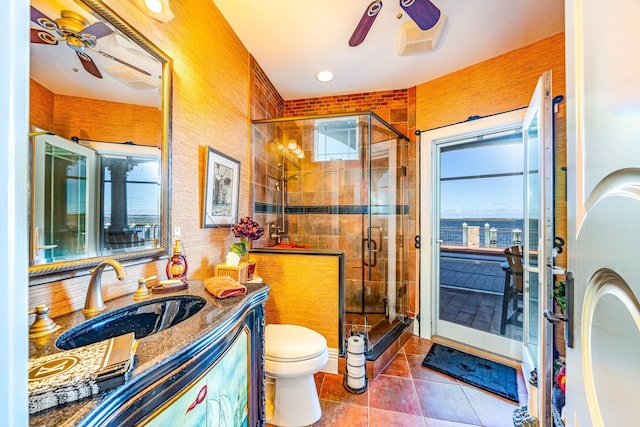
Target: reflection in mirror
99 110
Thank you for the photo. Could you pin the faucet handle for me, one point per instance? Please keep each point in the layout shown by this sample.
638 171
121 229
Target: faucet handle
43 324
143 292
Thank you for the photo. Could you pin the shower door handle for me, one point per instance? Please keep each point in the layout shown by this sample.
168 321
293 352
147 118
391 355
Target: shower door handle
372 247
378 244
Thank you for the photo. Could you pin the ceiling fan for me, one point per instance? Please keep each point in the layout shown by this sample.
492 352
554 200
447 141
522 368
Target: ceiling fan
424 13
73 29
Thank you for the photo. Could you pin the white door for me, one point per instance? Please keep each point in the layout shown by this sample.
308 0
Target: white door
64 183
603 198
501 129
537 247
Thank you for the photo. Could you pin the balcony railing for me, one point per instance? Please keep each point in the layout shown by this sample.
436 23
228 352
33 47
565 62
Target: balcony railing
482 237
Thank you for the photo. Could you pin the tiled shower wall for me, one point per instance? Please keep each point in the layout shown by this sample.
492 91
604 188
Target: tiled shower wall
398 108
326 209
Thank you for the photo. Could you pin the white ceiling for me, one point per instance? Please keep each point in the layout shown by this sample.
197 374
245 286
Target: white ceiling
294 39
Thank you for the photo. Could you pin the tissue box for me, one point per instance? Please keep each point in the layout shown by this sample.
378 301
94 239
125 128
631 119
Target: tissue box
238 273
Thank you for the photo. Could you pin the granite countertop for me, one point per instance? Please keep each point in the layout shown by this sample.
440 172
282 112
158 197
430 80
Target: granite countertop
152 351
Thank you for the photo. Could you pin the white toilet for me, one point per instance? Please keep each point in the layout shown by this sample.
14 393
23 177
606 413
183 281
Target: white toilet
292 355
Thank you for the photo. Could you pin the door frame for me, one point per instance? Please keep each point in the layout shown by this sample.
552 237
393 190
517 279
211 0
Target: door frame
427 199
540 108
14 120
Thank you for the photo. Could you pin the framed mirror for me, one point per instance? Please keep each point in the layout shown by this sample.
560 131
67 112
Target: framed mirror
100 98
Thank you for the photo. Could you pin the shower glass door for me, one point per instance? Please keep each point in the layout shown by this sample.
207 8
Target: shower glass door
384 251
383 254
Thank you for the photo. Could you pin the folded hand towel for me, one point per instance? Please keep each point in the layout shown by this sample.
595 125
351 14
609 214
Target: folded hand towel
224 286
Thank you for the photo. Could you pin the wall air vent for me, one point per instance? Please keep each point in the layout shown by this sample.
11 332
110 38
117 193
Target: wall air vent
412 40
133 78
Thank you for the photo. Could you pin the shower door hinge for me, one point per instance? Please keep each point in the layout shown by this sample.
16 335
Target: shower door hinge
418 317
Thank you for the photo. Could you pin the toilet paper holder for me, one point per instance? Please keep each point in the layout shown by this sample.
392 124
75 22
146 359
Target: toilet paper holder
355 377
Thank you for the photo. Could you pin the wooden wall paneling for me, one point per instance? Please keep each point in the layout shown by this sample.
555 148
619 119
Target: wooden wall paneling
304 291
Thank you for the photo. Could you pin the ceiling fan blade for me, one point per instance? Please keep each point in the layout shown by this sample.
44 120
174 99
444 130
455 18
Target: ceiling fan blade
97 30
424 13
89 65
42 37
122 62
365 23
43 20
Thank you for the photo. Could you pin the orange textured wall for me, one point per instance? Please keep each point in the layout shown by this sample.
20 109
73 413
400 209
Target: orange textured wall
85 118
211 76
106 121
499 84
40 106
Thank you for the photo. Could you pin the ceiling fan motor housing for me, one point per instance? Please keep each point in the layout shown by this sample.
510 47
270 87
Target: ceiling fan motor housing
70 23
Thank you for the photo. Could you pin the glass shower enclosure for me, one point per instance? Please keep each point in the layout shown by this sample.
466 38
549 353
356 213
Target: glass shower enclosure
338 182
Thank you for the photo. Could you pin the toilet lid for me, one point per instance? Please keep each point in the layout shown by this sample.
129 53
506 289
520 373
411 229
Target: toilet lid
292 342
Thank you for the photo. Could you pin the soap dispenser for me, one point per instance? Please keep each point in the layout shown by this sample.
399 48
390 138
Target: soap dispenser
177 266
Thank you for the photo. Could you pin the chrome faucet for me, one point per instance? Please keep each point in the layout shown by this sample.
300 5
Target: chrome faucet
94 303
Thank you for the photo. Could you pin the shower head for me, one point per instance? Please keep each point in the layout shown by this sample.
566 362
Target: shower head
284 178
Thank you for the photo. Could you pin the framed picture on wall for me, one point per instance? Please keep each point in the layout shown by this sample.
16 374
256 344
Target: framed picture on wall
222 190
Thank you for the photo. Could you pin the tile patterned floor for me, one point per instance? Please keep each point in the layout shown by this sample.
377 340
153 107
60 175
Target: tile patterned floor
471 295
407 394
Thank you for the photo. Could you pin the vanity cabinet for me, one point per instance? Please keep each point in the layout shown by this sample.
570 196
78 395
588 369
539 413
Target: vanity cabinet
220 384
208 371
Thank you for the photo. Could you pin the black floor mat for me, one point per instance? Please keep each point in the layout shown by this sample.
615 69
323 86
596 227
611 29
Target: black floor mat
485 374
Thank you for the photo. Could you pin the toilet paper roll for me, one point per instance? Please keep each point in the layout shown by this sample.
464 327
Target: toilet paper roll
355 345
355 359
356 383
356 371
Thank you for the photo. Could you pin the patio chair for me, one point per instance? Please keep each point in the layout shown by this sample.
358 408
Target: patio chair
512 294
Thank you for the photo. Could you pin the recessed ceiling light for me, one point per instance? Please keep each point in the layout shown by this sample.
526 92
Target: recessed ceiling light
154 6
324 76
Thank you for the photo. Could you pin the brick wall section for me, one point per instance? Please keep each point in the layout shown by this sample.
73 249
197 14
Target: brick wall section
266 102
382 103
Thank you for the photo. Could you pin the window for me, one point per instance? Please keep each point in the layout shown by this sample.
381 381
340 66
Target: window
336 139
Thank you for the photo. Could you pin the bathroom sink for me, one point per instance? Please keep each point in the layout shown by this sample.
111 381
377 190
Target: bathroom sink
144 319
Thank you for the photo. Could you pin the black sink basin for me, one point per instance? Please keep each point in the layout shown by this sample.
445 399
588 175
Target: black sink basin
144 319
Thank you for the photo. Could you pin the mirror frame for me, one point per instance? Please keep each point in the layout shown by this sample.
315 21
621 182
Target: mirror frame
61 270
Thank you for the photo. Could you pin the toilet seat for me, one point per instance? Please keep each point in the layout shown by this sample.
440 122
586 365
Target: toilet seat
292 343
293 354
